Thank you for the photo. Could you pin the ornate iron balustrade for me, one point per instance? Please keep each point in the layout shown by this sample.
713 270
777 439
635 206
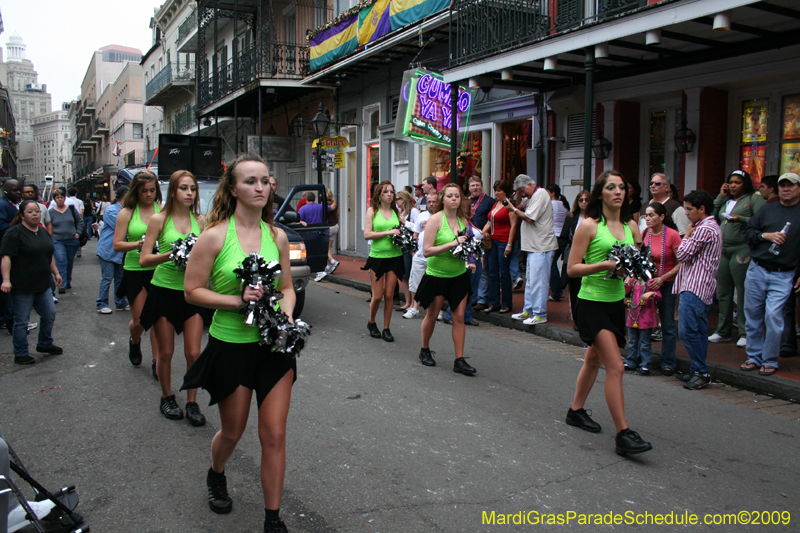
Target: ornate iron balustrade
187 26
185 119
482 28
168 74
270 60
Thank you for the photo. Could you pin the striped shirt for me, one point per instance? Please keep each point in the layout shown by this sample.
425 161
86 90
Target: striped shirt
699 256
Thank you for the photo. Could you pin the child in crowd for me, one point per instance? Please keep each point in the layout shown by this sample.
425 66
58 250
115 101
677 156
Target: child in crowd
641 322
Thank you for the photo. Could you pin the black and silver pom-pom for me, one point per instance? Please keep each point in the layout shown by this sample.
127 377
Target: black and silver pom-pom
405 241
181 250
632 261
473 246
273 325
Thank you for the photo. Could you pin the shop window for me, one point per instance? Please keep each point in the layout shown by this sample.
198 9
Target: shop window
753 149
517 140
373 169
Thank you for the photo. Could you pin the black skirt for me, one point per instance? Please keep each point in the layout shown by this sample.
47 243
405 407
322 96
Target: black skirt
224 366
170 304
454 289
382 265
593 317
133 281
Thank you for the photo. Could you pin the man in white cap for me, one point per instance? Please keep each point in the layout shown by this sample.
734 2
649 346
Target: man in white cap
772 234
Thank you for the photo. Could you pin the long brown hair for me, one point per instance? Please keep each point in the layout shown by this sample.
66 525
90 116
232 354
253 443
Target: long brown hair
461 212
174 181
576 207
141 179
376 198
595 208
224 203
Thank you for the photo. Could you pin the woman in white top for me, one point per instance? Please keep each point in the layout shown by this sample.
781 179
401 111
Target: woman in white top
405 206
560 211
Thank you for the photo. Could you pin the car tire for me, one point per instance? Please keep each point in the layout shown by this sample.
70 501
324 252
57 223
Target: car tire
299 303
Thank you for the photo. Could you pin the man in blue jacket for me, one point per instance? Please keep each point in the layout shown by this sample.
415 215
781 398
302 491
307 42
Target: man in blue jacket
8 210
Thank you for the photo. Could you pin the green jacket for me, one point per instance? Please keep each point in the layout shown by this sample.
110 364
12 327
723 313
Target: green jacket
747 206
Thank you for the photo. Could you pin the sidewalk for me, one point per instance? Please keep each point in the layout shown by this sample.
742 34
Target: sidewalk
723 359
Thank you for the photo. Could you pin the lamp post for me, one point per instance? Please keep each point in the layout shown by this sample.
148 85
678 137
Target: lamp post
320 124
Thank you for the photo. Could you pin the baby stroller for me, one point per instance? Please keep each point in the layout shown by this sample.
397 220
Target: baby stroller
62 518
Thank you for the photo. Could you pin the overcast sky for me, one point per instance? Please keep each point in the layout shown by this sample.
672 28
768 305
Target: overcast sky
61 35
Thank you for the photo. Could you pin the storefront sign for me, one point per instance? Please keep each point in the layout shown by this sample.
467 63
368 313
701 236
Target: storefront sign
755 120
790 158
424 115
333 148
754 159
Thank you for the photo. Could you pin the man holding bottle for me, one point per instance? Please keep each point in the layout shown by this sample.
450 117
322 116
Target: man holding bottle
772 234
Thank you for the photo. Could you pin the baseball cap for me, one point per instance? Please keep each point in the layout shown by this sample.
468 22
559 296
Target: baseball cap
121 191
789 176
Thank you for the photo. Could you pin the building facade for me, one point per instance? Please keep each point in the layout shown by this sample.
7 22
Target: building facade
51 133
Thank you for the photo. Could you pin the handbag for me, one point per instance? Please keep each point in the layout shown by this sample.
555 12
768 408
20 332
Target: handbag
83 238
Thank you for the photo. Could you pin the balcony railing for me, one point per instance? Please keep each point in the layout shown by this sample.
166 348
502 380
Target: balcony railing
187 26
167 77
271 60
85 111
185 119
482 28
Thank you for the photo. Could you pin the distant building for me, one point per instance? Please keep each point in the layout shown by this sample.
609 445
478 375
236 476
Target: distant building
29 99
50 136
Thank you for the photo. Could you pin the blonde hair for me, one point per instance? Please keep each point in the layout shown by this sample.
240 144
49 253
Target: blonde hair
408 202
224 203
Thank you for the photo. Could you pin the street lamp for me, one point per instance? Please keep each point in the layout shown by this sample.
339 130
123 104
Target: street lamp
320 124
685 139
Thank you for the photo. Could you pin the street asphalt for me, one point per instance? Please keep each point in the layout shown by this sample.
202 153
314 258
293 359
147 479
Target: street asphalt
378 443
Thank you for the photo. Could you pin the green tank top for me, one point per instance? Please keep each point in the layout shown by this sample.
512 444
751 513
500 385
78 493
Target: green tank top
228 324
166 275
136 230
445 265
384 247
594 287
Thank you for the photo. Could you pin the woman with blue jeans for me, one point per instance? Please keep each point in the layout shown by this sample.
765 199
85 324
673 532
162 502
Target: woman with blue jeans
501 228
67 227
27 263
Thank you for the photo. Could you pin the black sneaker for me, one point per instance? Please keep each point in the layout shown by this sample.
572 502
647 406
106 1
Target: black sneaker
697 381
52 350
193 414
683 376
387 335
218 499
135 352
374 332
644 371
169 408
426 357
630 443
582 419
25 360
462 367
275 526
667 371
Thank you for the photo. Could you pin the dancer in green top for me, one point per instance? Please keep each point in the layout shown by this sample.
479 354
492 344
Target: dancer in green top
235 363
384 257
139 204
166 309
446 275
600 311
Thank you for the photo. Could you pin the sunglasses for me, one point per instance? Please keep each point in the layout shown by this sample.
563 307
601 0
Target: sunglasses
656 184
583 201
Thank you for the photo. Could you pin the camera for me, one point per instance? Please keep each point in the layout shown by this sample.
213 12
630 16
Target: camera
505 202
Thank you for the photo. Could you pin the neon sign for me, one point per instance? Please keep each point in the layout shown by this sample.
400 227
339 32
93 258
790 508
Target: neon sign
424 114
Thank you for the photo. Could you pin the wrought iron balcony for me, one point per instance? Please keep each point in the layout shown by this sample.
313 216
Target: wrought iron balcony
184 120
482 28
186 42
86 111
169 83
100 127
271 60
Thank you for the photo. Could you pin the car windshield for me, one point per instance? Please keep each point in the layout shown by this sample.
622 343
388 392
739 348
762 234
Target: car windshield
207 190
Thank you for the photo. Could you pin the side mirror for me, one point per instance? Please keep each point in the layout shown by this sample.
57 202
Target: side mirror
290 217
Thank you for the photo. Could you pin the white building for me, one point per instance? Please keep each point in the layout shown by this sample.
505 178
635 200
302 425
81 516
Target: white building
50 137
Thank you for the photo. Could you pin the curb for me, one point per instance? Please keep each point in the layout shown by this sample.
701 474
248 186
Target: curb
774 386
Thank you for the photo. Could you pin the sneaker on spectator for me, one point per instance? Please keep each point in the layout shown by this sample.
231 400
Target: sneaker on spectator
716 337
126 308
32 325
105 311
522 315
518 283
321 275
411 313
657 335
742 343
55 300
332 266
535 320
441 316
